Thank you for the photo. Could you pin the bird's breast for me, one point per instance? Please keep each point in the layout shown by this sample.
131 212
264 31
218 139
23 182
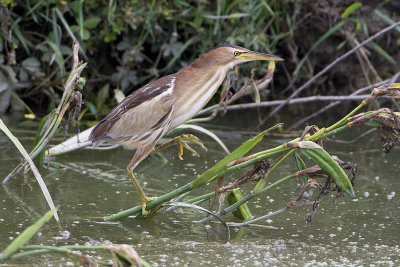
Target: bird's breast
193 94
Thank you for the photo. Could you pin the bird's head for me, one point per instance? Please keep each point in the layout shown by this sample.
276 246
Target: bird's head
231 55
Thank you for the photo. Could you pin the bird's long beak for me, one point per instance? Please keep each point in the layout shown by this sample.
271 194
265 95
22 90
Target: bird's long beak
252 55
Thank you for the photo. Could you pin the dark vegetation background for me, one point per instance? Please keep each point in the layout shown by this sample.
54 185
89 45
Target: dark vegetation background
129 43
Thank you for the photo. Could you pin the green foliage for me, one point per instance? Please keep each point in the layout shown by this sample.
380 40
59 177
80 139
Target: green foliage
34 169
39 160
212 173
10 3
345 17
26 235
243 212
328 165
301 166
128 43
351 9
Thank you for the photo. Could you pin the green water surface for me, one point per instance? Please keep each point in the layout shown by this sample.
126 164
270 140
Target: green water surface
364 231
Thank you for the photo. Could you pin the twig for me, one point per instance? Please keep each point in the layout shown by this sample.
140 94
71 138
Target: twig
333 63
355 139
70 87
297 101
54 120
259 218
68 29
246 89
331 105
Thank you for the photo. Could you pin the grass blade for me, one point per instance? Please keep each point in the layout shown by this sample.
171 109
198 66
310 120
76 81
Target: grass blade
317 43
383 53
301 166
39 159
21 38
243 212
317 154
210 174
178 55
35 171
60 58
26 235
351 9
80 19
34 8
386 18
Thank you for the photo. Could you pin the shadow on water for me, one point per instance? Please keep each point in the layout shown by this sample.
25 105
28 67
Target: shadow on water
91 185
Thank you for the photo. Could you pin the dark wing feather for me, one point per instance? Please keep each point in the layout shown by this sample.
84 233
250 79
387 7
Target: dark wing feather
133 100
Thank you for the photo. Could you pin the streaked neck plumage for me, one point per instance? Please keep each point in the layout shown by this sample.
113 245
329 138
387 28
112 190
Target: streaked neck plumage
194 87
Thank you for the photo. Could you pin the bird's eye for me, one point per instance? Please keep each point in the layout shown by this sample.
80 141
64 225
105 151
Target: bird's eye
236 53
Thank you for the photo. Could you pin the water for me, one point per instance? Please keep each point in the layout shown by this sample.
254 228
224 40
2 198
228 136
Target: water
91 185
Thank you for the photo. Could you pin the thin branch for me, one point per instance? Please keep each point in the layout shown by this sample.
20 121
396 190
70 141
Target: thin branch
297 101
338 100
331 105
327 68
269 215
355 139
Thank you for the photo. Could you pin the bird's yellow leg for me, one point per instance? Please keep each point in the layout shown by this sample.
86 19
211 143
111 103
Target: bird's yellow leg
182 141
143 198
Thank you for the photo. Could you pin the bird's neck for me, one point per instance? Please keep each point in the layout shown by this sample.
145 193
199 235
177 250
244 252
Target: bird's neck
193 88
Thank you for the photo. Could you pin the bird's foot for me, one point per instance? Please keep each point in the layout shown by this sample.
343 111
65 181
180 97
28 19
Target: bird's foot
182 141
146 200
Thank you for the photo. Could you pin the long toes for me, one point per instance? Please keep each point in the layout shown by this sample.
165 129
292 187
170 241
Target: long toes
146 200
194 152
144 211
180 150
195 140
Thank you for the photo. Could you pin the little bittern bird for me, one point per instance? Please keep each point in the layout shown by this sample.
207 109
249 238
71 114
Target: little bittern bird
153 110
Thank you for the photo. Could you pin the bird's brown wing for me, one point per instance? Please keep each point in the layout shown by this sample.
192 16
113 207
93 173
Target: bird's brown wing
140 117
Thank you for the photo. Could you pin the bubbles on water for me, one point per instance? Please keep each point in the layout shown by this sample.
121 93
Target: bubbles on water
64 234
270 200
391 195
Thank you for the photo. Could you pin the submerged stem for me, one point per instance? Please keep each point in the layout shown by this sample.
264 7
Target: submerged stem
248 197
